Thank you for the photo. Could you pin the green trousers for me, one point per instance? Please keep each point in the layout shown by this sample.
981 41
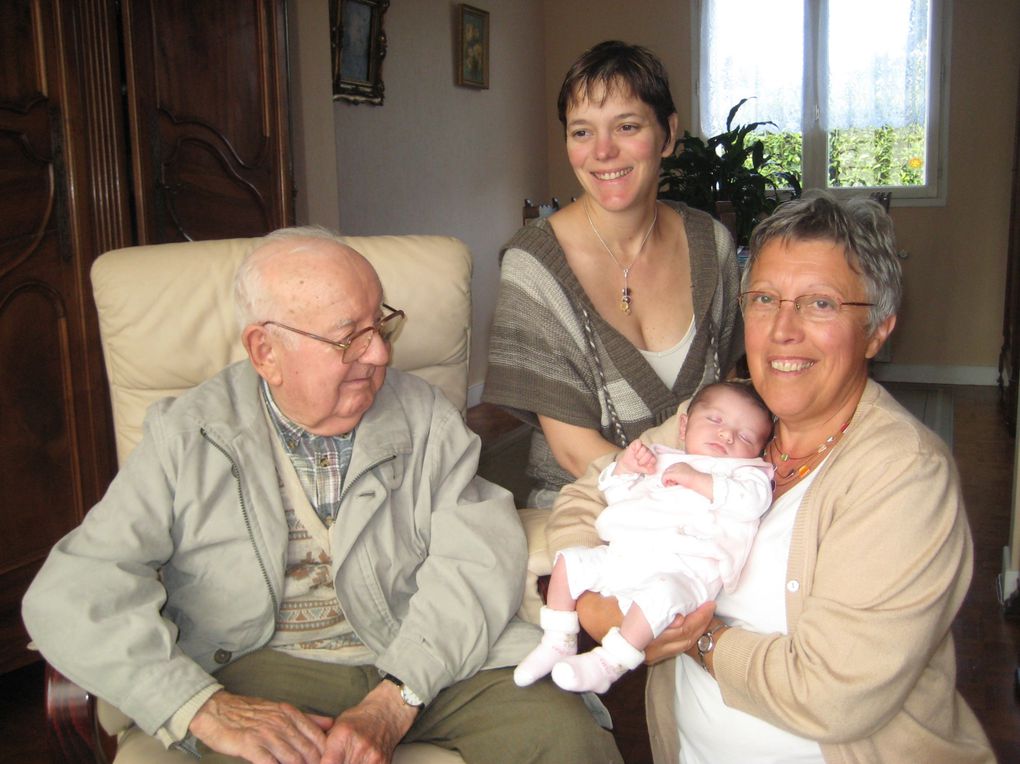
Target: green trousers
487 719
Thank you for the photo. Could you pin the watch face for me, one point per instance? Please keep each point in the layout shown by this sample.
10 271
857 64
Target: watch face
409 697
705 643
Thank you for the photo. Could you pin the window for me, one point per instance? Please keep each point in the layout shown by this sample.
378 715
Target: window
856 88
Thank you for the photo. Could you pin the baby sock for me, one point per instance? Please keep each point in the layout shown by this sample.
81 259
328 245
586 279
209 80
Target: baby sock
596 670
558 642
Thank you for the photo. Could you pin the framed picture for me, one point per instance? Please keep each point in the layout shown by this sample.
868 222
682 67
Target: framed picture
359 45
473 47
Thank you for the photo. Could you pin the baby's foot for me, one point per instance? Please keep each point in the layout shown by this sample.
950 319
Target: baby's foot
558 642
595 671
553 648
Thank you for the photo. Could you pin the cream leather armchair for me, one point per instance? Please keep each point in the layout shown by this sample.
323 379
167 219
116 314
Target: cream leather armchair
167 323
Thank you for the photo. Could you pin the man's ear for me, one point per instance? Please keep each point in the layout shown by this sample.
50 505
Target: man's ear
262 352
879 336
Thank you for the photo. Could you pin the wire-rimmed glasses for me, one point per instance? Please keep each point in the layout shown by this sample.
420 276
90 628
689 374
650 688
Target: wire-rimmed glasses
811 307
355 346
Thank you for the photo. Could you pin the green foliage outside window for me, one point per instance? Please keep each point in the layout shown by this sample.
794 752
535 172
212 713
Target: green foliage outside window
884 156
752 169
874 157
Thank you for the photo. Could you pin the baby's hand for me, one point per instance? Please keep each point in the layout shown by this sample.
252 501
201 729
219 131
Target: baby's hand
636 458
686 476
679 474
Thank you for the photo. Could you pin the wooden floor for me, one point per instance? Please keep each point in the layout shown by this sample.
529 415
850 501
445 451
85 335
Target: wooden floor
987 642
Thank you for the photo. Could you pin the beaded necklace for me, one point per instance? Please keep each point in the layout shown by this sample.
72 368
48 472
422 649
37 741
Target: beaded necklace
777 456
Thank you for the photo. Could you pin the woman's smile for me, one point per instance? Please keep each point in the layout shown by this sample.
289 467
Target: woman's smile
790 365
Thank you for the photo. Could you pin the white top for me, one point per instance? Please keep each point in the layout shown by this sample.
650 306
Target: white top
710 731
666 363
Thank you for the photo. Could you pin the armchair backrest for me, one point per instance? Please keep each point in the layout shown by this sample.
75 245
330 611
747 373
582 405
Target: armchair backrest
166 316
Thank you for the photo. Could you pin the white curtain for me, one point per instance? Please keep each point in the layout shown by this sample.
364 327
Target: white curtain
877 63
752 49
871 64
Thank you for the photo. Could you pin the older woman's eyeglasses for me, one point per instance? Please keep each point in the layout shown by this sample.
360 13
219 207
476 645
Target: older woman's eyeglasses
811 307
355 346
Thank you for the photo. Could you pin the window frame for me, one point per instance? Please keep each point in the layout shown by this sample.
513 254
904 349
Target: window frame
814 172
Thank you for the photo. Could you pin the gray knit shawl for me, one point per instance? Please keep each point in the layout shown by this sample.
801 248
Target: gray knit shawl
542 361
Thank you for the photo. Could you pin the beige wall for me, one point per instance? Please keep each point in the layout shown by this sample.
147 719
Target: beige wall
442 159
437 158
313 128
955 272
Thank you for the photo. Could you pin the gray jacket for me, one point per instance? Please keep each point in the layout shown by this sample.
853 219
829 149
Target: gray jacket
179 569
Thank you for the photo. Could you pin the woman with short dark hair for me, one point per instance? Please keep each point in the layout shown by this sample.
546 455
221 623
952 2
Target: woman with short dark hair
617 307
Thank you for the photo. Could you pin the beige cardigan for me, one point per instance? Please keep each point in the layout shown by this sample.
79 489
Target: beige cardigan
880 560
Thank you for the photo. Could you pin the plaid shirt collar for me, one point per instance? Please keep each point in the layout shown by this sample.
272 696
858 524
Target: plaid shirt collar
321 461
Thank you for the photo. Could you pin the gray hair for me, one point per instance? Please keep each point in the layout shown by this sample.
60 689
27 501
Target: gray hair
859 225
253 300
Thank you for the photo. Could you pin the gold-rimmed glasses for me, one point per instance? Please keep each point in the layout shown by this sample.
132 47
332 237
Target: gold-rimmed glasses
812 307
355 346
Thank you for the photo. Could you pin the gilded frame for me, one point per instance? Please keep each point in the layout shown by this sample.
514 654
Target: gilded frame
472 47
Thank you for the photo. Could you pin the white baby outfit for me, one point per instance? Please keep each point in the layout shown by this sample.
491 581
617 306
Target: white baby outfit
669 548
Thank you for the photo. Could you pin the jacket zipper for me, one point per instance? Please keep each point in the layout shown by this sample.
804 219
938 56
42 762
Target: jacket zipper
356 478
236 472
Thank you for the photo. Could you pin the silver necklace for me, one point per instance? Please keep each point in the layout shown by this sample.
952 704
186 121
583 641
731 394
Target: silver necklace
625 294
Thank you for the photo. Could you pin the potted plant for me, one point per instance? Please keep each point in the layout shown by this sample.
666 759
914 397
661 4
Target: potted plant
728 171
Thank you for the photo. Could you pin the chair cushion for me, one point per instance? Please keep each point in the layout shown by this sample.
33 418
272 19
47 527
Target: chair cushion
166 316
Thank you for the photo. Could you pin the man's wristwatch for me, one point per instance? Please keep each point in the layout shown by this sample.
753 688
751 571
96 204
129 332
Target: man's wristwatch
406 693
706 644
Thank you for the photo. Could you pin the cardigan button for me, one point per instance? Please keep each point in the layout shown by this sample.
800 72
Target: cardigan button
222 656
793 586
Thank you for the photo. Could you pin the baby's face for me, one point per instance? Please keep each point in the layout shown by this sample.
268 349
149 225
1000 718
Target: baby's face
724 423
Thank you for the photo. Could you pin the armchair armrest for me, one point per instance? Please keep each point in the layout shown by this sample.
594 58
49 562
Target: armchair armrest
539 561
72 723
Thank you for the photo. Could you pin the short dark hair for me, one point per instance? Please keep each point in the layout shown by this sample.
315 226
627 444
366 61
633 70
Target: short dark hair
743 388
613 64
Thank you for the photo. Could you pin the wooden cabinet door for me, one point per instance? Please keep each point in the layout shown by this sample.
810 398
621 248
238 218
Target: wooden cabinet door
55 452
207 99
197 149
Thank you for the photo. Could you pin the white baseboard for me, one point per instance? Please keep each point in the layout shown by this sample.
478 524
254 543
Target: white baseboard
935 375
474 394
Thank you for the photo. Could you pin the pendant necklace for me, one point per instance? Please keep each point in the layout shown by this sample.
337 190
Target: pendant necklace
777 456
625 293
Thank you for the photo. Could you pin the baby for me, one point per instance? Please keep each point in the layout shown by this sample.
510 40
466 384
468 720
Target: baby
679 527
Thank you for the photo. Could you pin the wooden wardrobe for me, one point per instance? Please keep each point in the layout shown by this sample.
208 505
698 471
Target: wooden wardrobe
129 122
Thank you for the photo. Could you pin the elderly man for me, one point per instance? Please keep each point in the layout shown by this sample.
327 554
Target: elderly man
298 563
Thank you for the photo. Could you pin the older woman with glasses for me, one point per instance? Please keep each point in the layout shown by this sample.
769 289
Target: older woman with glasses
836 644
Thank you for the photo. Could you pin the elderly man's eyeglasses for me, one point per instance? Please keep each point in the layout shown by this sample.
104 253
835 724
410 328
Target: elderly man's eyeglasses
811 307
355 346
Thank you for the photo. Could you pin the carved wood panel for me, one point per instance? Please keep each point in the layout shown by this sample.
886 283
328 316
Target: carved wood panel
55 453
207 94
203 129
